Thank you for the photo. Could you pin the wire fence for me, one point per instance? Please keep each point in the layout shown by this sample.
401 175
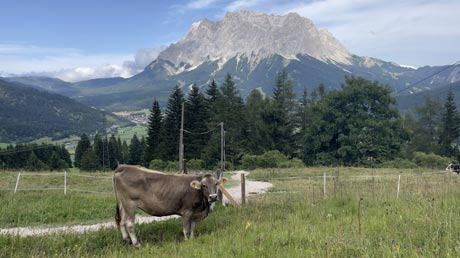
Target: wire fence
326 184
371 186
56 181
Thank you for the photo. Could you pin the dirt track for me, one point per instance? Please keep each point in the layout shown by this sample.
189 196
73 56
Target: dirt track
252 187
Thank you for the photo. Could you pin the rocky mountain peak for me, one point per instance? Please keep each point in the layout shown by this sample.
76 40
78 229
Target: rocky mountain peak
255 35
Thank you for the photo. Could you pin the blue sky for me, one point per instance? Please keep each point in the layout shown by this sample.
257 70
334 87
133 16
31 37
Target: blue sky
77 40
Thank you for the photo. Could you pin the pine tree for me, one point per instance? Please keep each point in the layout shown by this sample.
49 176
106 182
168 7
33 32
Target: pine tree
212 92
449 132
233 114
283 114
82 146
89 161
196 117
135 151
56 163
425 130
303 118
169 150
153 133
35 164
98 148
259 138
124 152
114 157
65 155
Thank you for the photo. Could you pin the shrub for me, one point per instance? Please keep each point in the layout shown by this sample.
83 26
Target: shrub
431 160
249 161
172 166
195 164
398 163
270 159
157 164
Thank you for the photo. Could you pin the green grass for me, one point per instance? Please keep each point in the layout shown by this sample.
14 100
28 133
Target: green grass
358 217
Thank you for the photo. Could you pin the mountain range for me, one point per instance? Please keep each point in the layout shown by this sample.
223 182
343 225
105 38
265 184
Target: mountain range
252 47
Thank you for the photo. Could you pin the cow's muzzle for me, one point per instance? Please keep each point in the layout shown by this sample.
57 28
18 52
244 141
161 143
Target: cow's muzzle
213 197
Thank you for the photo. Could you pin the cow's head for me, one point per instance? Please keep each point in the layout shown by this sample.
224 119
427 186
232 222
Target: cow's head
208 186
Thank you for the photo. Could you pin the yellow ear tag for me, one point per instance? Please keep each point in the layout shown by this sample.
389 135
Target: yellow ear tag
195 185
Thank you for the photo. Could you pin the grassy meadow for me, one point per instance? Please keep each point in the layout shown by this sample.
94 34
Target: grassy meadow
360 215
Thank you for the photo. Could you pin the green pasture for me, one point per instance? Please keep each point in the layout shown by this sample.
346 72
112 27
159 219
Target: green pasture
127 133
360 214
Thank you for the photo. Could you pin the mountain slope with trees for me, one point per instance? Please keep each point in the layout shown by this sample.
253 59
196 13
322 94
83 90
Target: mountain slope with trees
27 114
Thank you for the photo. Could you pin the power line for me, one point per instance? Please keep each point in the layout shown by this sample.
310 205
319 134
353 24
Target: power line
24 149
419 81
207 132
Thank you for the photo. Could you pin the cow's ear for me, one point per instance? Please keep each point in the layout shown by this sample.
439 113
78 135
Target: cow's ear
222 181
195 185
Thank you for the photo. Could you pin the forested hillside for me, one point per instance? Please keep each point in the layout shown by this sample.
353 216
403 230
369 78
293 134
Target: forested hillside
27 114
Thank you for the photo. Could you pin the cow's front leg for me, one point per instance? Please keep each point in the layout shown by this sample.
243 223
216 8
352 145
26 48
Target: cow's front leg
186 225
192 228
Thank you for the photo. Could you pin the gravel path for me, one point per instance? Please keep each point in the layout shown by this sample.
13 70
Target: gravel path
252 187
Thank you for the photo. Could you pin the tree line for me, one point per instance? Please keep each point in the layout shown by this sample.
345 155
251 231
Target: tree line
34 157
357 125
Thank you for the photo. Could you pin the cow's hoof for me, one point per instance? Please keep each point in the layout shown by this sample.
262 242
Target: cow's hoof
137 245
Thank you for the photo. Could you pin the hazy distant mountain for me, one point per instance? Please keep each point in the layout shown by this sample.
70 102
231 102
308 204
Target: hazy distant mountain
408 102
27 114
253 47
44 83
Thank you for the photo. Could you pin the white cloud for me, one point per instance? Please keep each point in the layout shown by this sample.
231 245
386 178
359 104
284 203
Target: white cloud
71 64
241 4
411 32
199 4
87 73
144 56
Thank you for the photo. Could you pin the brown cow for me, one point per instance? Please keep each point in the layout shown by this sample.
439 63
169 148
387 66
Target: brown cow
160 194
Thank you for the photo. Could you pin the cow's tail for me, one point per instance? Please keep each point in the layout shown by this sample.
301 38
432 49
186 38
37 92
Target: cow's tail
117 208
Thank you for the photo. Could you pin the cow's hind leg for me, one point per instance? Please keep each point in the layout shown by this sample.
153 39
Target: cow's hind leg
130 217
124 232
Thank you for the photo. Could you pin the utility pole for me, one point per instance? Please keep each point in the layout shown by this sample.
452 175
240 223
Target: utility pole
222 158
222 149
181 142
103 145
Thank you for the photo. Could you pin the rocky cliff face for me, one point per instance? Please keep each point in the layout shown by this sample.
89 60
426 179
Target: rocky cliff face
256 36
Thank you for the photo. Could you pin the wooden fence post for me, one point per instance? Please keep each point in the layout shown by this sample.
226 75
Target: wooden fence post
17 182
229 197
399 183
243 189
324 185
65 182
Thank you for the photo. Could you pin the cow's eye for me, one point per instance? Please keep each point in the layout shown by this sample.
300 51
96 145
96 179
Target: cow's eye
204 186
